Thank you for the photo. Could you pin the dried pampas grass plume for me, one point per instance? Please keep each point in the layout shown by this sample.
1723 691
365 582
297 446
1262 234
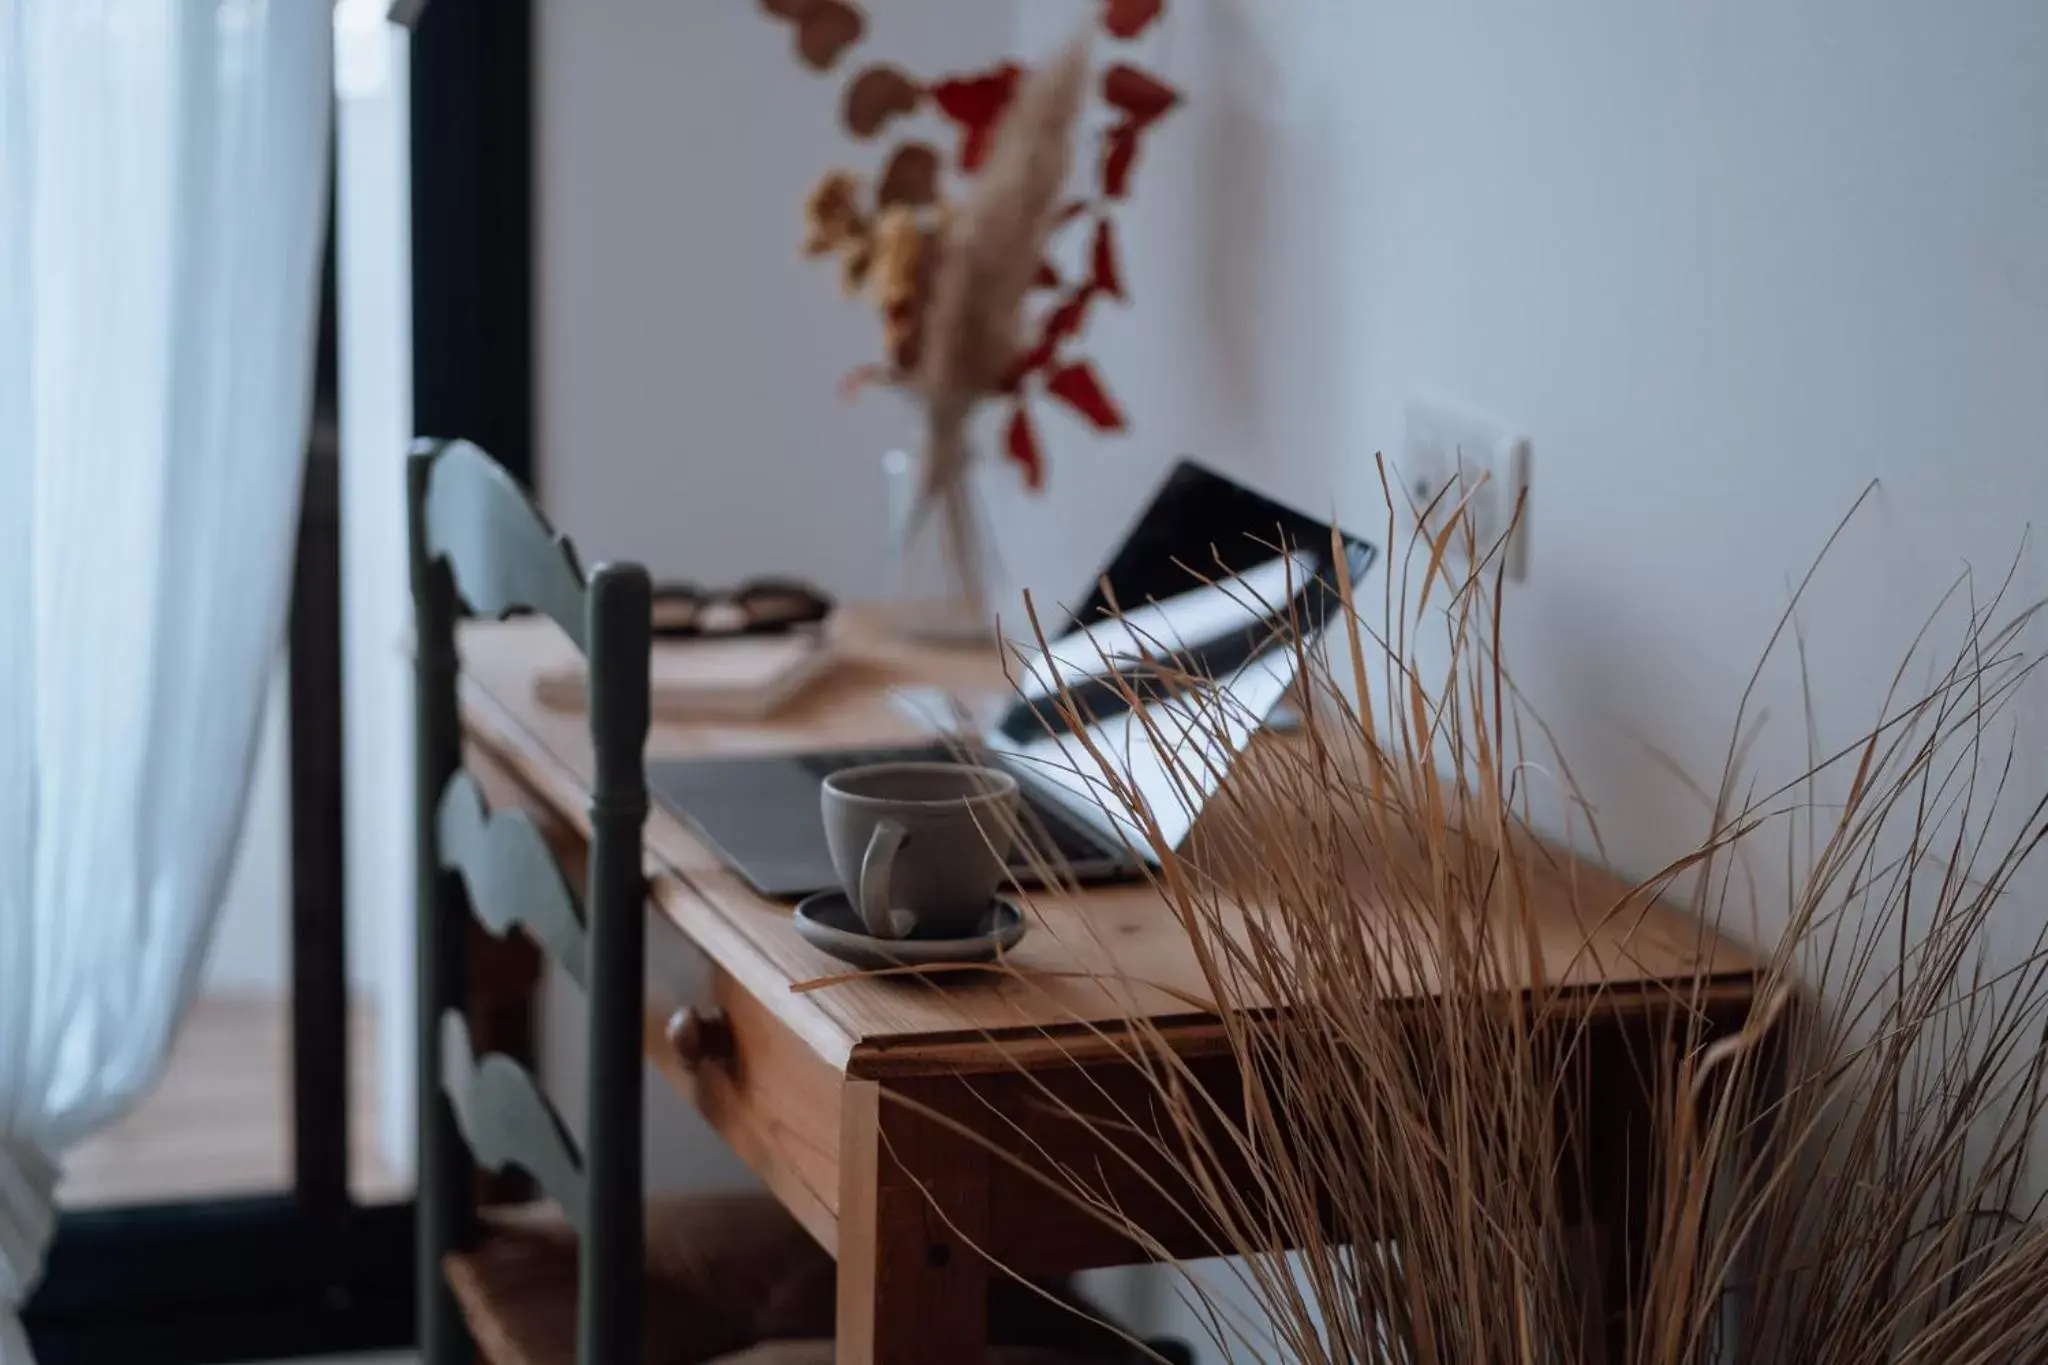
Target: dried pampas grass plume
992 248
989 255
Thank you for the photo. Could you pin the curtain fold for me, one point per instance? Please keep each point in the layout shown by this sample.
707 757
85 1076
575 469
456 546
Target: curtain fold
163 180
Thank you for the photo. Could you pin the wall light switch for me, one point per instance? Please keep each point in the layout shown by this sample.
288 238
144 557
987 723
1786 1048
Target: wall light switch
1450 456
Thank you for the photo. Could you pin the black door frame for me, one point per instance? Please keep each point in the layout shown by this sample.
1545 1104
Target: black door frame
309 1271
472 226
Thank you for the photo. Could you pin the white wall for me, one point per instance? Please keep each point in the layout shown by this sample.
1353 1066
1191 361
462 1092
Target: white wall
374 275
688 361
1724 264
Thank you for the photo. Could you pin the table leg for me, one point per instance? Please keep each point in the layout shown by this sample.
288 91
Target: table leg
913 1203
1618 1125
1629 1121
1620 1243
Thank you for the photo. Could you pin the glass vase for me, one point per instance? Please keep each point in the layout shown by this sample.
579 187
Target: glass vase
941 568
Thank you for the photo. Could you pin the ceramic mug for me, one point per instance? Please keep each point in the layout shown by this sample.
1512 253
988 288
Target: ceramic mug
920 847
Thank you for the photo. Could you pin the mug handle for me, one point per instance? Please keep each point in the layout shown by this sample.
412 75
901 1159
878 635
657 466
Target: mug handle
877 873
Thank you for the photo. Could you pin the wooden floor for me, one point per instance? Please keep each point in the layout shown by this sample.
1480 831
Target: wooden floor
220 1122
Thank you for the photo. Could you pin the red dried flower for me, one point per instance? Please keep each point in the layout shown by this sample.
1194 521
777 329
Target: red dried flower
1126 19
1078 386
977 103
1139 94
1020 444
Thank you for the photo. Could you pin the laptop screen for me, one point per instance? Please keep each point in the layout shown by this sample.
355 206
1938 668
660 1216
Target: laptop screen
1210 583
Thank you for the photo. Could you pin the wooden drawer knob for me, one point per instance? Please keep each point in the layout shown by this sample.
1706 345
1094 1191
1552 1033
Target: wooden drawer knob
699 1036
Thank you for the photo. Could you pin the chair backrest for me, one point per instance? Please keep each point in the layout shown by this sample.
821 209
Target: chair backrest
480 547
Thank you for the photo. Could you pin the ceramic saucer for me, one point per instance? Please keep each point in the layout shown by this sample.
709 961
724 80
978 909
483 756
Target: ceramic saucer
829 923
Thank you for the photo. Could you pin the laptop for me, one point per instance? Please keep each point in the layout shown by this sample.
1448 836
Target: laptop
1205 576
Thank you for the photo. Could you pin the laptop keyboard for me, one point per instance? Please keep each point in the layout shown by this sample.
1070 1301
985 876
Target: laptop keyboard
1069 842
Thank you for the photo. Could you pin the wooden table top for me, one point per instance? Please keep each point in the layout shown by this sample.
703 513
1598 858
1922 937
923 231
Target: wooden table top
1091 957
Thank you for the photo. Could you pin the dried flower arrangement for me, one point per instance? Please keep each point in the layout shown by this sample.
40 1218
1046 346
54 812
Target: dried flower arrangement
951 279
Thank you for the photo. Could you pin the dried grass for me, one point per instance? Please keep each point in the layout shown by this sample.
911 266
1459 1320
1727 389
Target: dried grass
988 254
1837 1185
992 247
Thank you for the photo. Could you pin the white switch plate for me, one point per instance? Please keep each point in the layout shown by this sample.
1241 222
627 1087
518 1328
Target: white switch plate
1463 456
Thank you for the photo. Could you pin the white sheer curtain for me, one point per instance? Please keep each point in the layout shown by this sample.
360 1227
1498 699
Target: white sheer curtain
163 171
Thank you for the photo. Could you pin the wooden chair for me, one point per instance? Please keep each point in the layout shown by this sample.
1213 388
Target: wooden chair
602 1278
605 1279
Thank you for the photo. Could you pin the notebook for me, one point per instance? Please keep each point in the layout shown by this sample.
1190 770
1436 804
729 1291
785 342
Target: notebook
745 677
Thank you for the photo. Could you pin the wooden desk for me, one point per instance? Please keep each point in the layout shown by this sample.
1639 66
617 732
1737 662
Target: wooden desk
797 1081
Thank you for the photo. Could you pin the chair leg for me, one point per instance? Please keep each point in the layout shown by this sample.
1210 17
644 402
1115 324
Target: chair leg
441 1209
444 1170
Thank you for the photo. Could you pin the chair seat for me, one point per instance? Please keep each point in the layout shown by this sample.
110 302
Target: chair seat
722 1274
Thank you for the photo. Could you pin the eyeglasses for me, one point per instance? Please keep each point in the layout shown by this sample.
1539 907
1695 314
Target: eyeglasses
760 606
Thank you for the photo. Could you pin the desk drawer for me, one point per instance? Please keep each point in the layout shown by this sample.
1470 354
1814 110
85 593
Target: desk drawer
762 1087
